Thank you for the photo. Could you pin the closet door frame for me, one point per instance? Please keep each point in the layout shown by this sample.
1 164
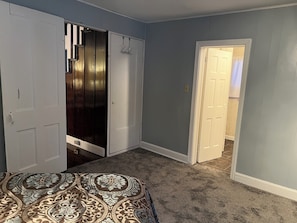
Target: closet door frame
109 99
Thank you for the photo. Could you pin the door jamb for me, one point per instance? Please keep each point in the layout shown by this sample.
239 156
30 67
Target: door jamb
197 95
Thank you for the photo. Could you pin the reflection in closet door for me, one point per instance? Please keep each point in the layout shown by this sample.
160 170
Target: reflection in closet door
126 56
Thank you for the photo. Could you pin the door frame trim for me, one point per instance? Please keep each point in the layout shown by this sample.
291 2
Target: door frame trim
197 95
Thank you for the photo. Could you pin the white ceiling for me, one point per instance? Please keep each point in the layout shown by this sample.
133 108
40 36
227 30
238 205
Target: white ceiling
164 10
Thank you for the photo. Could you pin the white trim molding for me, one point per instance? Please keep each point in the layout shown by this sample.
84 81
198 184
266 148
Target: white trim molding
266 186
197 94
164 152
122 151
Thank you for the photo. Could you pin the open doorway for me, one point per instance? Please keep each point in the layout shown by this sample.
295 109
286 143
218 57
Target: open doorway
209 129
229 62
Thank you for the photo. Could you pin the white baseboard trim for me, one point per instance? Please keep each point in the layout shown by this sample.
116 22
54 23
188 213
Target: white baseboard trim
266 186
122 151
164 152
232 138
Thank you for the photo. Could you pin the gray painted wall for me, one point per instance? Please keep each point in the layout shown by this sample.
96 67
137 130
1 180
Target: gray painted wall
268 144
77 12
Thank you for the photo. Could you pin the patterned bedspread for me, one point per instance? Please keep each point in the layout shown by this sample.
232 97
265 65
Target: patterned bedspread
68 197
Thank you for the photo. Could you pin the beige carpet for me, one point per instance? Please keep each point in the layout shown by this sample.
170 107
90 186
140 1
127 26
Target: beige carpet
193 194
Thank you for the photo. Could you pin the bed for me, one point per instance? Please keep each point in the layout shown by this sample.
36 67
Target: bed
74 197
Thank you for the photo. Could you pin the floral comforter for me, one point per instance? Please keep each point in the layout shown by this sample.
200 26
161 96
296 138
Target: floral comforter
68 197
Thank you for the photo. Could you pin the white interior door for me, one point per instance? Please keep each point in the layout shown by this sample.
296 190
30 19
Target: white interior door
214 104
33 90
125 92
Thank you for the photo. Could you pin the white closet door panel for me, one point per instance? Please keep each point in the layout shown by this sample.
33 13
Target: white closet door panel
33 92
126 77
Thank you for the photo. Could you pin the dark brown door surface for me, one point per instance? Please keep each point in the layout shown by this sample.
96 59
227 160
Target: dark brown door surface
86 90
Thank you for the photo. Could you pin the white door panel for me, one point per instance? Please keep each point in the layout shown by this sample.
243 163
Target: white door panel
33 92
214 104
126 75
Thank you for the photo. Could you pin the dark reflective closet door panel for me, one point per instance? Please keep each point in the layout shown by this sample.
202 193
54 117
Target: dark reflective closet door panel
89 84
79 94
86 89
70 102
101 90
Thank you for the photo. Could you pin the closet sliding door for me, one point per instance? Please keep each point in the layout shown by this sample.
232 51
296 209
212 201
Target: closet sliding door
126 60
100 104
86 91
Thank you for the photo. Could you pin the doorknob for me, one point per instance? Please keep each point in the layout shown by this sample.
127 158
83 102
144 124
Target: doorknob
10 118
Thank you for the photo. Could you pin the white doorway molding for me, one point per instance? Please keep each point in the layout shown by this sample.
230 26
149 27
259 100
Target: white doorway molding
197 95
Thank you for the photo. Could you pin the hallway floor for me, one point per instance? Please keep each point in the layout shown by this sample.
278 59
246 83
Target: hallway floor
223 163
